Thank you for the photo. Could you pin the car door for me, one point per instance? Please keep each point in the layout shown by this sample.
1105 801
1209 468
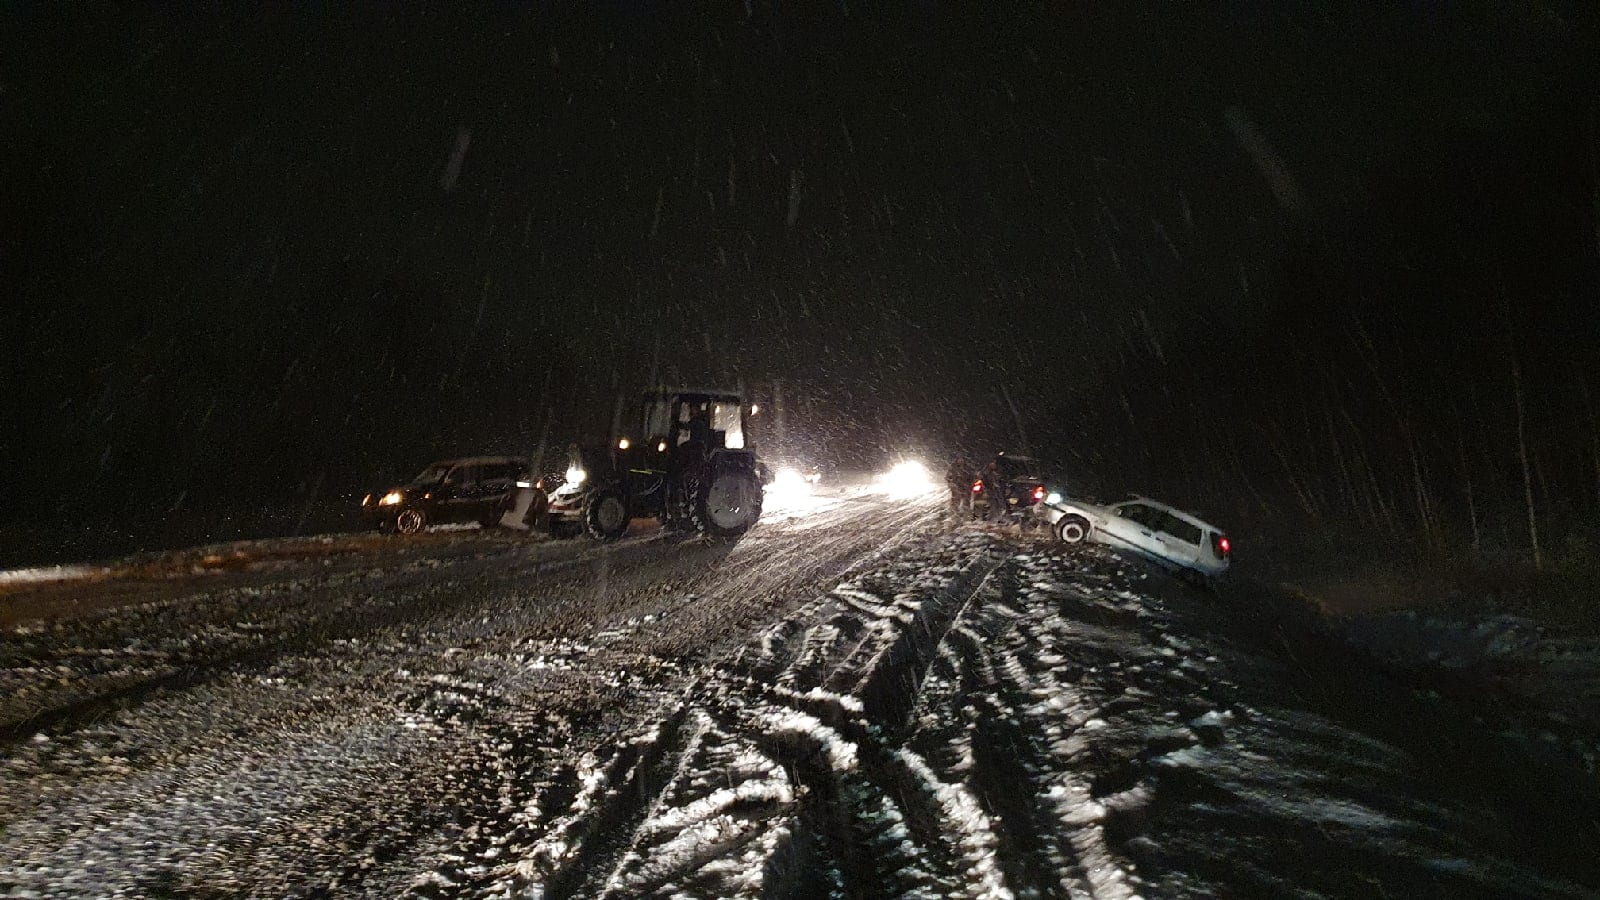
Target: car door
460 494
1130 526
498 486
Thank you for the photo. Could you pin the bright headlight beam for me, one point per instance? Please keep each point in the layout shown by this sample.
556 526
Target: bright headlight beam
906 479
576 475
788 481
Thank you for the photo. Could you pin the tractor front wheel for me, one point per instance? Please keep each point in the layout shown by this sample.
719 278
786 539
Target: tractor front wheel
606 515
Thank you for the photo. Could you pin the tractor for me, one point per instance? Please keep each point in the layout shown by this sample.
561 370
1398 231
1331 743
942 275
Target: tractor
687 465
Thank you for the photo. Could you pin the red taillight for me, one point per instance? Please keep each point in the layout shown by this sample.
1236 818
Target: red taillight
1038 494
1226 547
977 487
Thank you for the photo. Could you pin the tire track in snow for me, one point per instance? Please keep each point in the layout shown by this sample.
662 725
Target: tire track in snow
815 694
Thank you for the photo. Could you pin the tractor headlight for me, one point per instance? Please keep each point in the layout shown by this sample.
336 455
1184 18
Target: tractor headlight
391 499
576 476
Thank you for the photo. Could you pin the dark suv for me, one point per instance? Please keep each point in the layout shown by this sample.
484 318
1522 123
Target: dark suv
479 489
1016 479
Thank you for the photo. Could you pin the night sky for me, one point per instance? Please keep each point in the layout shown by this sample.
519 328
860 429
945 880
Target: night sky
260 258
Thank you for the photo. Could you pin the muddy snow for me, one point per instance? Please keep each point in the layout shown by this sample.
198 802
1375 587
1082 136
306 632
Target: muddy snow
858 699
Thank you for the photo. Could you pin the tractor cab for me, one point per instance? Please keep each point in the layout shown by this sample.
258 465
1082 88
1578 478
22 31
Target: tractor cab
681 425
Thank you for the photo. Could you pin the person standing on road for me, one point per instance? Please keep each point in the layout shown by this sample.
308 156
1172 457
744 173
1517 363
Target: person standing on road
995 489
959 479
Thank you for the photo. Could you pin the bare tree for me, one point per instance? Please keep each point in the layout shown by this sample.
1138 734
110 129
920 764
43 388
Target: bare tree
1522 452
1594 434
1466 481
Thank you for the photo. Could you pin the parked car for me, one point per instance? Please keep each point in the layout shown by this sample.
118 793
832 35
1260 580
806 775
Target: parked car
1020 483
1170 536
479 489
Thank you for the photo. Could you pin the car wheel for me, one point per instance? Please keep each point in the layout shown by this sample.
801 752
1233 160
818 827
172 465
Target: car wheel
1073 529
606 515
411 521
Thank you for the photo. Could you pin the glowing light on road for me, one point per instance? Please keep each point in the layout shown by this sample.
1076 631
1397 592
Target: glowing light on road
792 495
906 480
788 482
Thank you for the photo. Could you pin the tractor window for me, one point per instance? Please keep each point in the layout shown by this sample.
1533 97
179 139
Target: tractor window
726 419
657 418
690 415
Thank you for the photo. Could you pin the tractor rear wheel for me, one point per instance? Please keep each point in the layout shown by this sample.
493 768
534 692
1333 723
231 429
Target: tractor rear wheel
728 503
605 516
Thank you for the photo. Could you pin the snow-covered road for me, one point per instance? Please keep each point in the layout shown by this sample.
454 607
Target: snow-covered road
859 699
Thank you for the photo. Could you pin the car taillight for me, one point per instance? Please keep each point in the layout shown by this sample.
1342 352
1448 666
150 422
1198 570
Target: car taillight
1038 494
977 487
1221 547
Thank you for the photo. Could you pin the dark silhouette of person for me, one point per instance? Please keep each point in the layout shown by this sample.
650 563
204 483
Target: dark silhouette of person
959 479
995 489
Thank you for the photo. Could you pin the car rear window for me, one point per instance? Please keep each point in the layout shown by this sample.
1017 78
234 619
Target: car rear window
1017 469
1180 529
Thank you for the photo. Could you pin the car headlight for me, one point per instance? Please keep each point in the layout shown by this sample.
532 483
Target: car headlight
1053 498
392 498
575 475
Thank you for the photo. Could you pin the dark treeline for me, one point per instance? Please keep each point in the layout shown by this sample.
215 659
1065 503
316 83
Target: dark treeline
1271 262
1422 368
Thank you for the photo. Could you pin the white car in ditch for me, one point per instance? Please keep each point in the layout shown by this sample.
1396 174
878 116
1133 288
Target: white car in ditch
1169 536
